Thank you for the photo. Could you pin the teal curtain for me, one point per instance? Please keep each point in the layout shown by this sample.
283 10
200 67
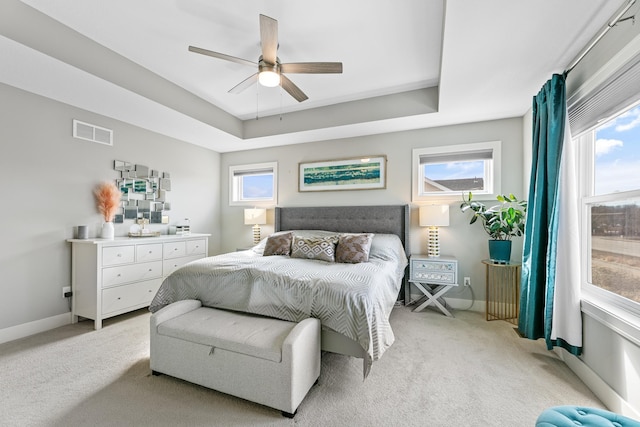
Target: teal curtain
541 229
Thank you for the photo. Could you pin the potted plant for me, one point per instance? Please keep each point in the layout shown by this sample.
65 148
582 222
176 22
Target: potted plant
501 222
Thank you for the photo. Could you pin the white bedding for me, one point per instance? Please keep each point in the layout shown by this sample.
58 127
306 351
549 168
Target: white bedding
352 299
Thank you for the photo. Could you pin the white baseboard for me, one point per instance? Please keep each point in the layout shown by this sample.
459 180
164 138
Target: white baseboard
612 400
35 327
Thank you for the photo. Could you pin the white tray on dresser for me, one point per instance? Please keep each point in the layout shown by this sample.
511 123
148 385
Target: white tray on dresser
112 277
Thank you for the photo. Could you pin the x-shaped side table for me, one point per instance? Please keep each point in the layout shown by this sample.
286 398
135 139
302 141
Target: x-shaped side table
432 295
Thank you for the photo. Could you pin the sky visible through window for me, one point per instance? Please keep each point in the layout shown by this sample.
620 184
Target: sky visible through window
257 187
617 155
454 170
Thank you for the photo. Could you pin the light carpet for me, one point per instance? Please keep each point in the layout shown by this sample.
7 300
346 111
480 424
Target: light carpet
441 371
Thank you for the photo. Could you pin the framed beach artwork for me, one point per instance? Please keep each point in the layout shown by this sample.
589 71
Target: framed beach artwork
360 173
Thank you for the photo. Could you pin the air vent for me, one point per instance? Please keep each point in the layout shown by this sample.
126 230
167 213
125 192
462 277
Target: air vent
92 133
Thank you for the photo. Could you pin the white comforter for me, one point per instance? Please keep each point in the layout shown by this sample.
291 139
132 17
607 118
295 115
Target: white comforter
352 299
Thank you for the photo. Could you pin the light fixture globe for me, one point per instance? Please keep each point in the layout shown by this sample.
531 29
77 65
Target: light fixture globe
268 74
269 78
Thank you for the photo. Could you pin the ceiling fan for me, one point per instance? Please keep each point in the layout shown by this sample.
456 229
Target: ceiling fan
270 70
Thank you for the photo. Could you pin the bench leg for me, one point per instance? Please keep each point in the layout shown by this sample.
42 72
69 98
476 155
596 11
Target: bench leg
289 414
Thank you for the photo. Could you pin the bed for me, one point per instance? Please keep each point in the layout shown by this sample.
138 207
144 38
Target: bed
353 301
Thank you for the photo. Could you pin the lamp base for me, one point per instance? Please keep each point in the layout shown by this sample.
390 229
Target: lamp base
256 234
433 242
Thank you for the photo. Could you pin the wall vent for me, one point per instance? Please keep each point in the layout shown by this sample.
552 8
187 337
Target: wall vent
92 133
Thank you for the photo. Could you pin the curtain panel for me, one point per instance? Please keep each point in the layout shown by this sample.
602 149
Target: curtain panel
539 299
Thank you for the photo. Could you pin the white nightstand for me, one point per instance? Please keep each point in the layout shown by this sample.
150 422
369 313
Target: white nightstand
434 277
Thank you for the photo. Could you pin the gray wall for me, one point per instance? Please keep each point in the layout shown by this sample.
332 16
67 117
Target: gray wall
48 179
467 243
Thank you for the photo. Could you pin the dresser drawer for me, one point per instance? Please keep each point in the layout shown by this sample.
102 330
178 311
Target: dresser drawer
117 255
123 297
172 265
151 252
175 249
195 247
113 276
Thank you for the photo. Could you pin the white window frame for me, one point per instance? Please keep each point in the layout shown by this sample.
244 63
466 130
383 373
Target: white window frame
604 305
493 171
235 185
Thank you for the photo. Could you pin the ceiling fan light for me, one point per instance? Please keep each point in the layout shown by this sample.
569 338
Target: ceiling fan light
269 78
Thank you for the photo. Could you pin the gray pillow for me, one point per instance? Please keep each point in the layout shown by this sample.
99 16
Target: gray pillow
278 244
322 248
354 248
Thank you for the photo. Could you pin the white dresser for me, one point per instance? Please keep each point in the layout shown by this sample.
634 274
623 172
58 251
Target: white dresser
111 277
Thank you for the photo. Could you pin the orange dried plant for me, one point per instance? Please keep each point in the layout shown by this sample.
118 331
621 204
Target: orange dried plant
107 199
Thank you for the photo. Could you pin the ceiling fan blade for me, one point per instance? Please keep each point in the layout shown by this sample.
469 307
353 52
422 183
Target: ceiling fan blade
245 84
269 39
292 89
312 67
222 56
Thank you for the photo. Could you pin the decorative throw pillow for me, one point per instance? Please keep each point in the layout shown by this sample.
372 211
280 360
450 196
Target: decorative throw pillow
322 248
278 244
354 248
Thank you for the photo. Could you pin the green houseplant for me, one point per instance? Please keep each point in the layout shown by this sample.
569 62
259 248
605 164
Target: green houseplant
502 222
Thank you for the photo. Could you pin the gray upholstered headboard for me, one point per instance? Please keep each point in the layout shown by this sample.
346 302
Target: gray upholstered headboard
391 219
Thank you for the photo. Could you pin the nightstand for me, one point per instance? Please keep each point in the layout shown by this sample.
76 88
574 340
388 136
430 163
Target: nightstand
434 277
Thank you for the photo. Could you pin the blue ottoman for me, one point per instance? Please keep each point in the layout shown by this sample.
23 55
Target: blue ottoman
571 416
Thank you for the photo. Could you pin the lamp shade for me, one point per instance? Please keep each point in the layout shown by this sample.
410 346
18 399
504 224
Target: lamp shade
434 215
255 216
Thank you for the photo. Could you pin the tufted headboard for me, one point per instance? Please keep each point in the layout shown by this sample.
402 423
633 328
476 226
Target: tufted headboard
391 219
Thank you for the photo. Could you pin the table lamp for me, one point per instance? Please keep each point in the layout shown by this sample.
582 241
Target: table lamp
257 217
434 216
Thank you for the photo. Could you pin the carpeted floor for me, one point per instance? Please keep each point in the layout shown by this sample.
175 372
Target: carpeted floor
441 371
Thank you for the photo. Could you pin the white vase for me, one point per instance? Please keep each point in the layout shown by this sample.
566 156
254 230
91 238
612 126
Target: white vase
108 230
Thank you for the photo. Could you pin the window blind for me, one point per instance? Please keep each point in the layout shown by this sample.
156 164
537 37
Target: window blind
267 171
615 93
466 156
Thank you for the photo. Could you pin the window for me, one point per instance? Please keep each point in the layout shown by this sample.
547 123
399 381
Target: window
455 169
611 209
253 184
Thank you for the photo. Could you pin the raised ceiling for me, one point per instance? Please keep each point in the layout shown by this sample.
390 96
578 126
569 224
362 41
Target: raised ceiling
407 65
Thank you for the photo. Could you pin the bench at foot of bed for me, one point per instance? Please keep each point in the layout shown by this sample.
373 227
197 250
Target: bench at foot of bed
268 361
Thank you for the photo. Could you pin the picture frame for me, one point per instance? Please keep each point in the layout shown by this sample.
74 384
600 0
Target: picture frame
357 173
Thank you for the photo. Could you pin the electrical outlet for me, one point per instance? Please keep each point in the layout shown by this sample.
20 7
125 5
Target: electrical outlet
65 290
467 281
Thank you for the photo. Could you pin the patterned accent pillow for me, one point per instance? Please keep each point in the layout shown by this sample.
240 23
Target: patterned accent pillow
354 248
322 248
278 244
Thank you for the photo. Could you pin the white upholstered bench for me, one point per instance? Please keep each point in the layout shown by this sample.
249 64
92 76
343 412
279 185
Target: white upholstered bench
268 361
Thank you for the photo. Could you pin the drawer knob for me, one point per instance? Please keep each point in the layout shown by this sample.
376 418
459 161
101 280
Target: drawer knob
150 252
119 298
119 274
119 255
175 249
151 269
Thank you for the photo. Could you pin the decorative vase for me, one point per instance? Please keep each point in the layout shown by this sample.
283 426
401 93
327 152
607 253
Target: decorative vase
500 251
108 230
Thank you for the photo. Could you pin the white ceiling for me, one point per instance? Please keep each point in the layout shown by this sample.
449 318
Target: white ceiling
484 60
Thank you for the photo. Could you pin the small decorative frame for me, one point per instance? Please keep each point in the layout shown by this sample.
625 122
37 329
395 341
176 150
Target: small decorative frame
360 173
